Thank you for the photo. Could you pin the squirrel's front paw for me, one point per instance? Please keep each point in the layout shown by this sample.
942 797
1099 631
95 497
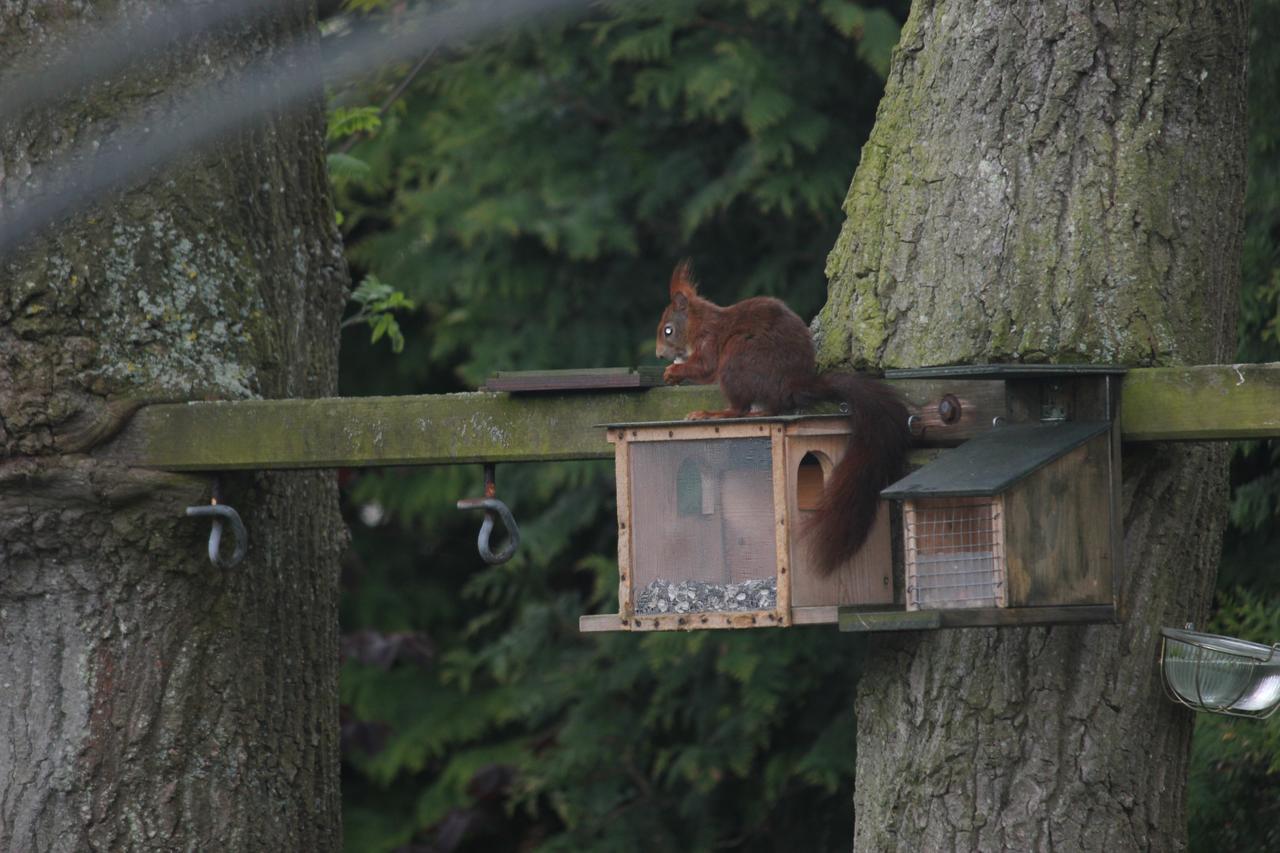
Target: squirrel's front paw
672 374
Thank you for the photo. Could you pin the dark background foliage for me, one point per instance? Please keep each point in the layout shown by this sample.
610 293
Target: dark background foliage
1235 776
530 196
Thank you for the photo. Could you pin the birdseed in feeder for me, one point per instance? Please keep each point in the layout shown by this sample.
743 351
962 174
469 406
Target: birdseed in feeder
690 596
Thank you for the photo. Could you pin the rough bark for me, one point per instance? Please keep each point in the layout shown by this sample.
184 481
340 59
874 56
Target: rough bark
149 701
1049 181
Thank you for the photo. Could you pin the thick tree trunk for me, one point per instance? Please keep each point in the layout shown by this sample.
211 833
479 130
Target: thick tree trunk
1063 182
149 701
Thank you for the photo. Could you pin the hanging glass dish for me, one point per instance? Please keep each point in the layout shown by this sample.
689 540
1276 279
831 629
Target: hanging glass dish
1222 675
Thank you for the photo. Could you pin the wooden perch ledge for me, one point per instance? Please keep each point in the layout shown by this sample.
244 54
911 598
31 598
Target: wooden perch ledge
1211 402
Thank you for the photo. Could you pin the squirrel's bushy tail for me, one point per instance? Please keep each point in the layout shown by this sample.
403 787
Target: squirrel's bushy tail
876 456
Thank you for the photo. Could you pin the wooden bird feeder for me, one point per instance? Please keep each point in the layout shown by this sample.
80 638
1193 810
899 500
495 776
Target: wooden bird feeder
1019 525
1017 518
710 516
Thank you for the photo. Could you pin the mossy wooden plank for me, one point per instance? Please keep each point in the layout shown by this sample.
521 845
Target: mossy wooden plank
434 429
377 431
1208 402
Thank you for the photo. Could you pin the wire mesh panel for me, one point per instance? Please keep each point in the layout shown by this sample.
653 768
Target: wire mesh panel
954 553
703 526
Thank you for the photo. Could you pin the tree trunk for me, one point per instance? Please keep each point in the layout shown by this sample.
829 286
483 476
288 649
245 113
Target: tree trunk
1049 181
149 701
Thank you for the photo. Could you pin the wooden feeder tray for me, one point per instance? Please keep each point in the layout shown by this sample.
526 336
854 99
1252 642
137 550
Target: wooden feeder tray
1010 528
709 520
1019 525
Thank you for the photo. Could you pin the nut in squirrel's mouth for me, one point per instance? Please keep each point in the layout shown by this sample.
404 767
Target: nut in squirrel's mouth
678 360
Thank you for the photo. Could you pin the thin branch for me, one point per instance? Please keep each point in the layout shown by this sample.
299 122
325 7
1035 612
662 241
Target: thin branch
350 141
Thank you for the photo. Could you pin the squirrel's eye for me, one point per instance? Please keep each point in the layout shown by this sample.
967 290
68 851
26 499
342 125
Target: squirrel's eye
667 331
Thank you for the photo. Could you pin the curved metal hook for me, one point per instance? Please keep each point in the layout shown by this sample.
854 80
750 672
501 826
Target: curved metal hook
219 512
493 507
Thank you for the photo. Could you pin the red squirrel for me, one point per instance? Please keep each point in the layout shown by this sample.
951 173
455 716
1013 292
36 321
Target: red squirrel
761 353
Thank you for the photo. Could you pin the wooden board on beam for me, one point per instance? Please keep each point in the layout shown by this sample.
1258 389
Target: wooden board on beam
1210 402
1158 404
378 431
442 429
855 619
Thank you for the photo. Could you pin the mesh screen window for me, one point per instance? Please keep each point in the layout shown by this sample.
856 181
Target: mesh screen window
954 553
703 526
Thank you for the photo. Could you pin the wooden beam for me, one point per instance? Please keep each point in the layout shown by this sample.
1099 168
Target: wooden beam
1209 402
437 429
375 431
859 620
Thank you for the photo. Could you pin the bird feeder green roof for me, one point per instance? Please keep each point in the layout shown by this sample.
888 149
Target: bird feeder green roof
990 464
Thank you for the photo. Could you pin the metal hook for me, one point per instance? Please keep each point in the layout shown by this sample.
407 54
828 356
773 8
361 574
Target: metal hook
493 508
218 512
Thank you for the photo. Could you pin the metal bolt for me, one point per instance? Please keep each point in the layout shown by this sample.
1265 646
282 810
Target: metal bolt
949 409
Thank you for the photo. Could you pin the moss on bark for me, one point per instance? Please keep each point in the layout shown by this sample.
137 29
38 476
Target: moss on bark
155 702
1036 187
1048 182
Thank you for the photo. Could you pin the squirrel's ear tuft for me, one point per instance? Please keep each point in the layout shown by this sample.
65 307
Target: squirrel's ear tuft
682 281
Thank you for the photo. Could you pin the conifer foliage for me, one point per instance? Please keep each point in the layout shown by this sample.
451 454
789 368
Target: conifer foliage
1234 790
529 196
518 204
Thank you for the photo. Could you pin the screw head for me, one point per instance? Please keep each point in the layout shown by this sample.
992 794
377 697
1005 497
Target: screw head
949 409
